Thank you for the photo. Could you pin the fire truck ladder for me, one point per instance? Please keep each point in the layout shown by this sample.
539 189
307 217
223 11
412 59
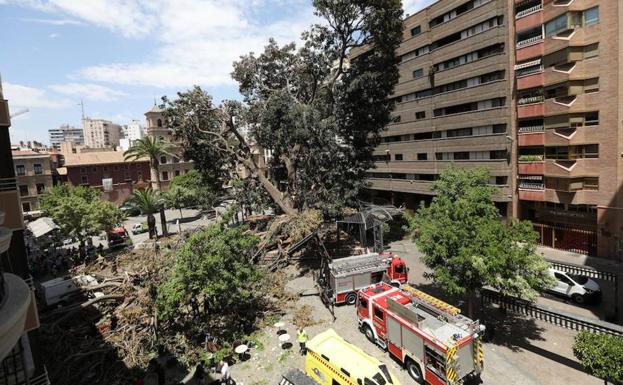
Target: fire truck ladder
361 263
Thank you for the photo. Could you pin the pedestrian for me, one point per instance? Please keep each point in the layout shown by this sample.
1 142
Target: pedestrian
225 375
301 335
206 303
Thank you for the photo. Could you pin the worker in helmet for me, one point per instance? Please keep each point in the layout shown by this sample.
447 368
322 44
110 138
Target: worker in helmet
301 335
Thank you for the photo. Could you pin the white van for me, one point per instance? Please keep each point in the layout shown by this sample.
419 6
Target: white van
579 288
60 290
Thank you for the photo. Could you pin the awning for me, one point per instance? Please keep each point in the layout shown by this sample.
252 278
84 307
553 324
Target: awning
531 63
42 226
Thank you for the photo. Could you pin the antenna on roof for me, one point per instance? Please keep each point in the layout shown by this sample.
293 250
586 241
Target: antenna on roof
81 104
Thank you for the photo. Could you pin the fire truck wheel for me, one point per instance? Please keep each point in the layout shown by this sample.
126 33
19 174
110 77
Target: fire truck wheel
369 334
351 299
414 371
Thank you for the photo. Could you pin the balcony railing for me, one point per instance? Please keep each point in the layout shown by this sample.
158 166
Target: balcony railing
529 41
528 11
529 70
531 186
531 99
531 129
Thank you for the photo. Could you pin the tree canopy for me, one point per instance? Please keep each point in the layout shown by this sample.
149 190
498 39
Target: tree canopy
317 108
79 211
601 355
195 190
466 244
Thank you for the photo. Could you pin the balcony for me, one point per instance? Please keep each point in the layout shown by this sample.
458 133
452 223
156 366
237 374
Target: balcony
14 312
530 81
531 167
530 110
529 18
535 195
531 139
529 49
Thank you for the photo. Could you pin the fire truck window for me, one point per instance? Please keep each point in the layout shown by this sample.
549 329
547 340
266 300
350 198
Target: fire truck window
377 277
399 269
363 303
336 382
436 363
378 313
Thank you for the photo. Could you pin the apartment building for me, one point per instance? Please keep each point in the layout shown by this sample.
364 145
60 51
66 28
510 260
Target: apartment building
34 176
19 321
65 133
453 102
100 133
569 117
107 171
168 166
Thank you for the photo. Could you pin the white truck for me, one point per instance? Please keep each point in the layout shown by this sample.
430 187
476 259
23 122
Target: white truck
61 290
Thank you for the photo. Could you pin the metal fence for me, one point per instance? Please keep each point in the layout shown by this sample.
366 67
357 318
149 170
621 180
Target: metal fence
547 314
583 241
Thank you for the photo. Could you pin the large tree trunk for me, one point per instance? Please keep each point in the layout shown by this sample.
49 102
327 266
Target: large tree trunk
285 203
156 185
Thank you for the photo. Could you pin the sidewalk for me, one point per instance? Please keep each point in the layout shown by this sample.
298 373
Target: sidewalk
581 259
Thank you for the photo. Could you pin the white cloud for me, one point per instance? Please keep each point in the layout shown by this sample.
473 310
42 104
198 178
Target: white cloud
54 35
20 96
53 21
87 91
413 6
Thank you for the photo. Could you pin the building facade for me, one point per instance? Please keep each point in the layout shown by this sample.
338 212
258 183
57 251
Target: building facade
569 116
65 133
453 102
19 321
108 171
100 133
34 177
168 166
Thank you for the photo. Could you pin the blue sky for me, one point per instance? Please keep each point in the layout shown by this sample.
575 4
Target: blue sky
117 55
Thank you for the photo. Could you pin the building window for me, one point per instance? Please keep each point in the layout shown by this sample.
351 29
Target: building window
23 190
497 154
591 118
38 168
591 16
420 115
461 155
556 25
115 168
165 175
159 123
422 156
25 206
163 160
416 30
140 175
40 188
418 73
176 159
177 172
126 166
94 169
591 50
84 179
397 156
20 170
105 168
83 170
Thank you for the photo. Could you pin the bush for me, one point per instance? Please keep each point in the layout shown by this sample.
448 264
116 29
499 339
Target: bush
601 355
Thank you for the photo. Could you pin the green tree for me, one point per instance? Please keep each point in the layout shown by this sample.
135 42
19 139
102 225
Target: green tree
79 211
466 244
216 262
601 355
152 148
199 190
318 108
148 202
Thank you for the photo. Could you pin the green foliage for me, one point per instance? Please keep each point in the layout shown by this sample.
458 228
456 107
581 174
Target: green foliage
214 261
601 355
467 246
147 201
79 211
319 108
149 147
530 158
193 190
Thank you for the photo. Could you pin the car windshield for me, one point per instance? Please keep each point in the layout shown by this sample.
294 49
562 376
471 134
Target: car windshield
383 368
379 379
579 278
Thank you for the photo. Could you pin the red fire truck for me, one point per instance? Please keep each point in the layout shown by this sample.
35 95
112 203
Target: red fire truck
435 343
341 278
118 237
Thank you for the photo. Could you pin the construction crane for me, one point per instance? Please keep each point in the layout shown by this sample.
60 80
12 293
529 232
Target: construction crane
20 112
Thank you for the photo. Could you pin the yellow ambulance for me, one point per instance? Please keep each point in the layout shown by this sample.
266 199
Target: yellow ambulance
331 360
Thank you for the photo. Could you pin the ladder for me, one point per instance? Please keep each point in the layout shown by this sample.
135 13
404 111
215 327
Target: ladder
420 297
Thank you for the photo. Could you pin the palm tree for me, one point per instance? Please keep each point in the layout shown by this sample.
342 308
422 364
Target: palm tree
153 148
148 202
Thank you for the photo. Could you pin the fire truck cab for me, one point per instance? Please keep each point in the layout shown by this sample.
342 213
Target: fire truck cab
434 342
341 278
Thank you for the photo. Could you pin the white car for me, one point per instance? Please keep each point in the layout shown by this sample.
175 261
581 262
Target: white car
579 288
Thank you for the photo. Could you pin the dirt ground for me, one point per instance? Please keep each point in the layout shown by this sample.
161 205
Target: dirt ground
523 351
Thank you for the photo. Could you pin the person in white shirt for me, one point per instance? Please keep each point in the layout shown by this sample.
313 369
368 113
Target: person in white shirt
225 375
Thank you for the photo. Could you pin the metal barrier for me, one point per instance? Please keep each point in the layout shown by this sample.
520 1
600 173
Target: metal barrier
583 270
547 314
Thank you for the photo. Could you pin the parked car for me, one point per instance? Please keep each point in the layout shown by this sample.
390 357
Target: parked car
579 288
139 228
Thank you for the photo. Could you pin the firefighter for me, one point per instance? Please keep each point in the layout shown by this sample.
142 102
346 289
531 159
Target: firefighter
301 335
